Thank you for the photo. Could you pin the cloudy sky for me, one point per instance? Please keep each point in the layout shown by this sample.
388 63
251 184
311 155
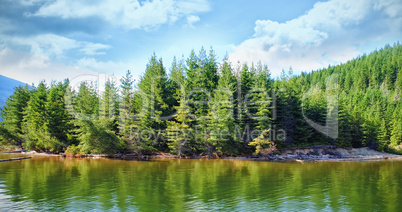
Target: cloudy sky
56 39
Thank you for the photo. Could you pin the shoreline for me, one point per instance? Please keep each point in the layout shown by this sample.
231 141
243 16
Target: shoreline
294 154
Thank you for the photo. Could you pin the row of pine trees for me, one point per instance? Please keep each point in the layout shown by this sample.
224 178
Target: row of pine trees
203 106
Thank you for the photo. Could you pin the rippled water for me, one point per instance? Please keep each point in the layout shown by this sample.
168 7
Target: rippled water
53 183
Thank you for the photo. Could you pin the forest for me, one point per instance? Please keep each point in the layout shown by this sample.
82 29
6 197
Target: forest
201 106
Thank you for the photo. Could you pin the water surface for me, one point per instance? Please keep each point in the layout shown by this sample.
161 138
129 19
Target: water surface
54 183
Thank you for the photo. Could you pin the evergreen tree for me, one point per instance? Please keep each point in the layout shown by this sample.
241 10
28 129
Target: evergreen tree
127 112
345 136
260 106
191 71
58 123
245 84
396 133
151 102
109 106
263 144
86 102
96 137
222 124
38 122
383 136
13 113
176 83
179 132
203 103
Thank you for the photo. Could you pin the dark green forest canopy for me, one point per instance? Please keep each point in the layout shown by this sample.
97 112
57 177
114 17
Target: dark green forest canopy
204 106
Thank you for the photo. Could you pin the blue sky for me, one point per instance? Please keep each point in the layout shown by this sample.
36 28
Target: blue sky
56 39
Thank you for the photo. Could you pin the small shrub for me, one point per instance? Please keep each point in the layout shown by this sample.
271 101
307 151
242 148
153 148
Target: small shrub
72 150
263 141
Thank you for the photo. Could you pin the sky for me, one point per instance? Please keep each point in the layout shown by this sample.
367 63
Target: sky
58 39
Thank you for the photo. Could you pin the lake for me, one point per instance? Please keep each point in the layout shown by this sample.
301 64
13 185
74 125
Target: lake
54 183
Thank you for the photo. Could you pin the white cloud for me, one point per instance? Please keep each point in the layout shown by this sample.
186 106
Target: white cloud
31 68
51 45
44 44
93 48
330 33
108 67
130 14
192 19
30 2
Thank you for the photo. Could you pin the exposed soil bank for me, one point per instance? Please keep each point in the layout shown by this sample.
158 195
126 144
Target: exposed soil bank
297 154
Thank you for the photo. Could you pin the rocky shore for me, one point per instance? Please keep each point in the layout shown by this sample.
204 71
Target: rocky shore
296 154
328 153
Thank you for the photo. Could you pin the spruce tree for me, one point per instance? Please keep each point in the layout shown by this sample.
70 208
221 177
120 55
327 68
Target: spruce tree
58 123
127 112
222 123
108 105
396 132
244 86
179 131
151 102
13 114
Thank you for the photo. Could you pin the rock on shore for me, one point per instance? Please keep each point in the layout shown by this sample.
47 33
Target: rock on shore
327 153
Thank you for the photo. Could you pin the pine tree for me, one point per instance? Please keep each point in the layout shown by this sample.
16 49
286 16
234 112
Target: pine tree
396 133
37 122
12 114
95 130
263 145
383 136
368 110
35 117
191 71
222 124
151 102
109 106
176 83
356 128
260 106
86 102
127 112
211 71
179 132
345 136
97 137
201 73
244 121
58 123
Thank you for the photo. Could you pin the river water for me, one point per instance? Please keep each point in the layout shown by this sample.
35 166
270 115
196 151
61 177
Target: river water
65 184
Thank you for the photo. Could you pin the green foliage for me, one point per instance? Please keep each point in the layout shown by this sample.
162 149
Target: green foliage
206 107
7 138
151 103
179 132
263 144
73 150
58 122
222 122
86 102
97 137
13 114
126 109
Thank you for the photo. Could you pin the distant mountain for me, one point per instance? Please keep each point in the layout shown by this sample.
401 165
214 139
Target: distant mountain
7 86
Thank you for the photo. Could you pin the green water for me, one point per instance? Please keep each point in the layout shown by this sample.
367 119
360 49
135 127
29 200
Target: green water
53 183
